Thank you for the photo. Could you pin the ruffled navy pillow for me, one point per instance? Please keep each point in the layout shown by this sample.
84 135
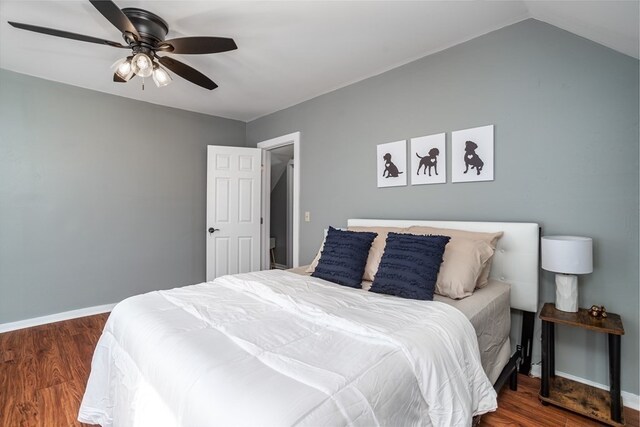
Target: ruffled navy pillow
344 256
409 266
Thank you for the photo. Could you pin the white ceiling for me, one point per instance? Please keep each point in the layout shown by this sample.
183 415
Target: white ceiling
288 51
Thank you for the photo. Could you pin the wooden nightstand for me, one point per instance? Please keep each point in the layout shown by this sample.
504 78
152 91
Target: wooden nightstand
592 402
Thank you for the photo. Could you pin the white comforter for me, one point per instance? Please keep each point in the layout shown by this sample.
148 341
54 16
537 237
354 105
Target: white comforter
274 348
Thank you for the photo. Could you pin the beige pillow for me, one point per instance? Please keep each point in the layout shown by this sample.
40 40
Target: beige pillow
312 267
377 248
461 267
490 238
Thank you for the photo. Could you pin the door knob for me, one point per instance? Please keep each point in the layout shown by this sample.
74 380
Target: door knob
213 230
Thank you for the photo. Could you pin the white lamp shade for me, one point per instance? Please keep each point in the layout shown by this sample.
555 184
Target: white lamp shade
567 254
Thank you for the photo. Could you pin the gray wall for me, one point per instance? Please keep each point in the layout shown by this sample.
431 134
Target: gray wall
278 218
101 197
566 154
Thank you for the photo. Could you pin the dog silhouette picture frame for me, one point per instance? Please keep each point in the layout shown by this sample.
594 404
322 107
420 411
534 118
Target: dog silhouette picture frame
472 154
428 159
392 164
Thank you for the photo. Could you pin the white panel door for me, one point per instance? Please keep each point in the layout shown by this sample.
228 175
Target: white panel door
233 210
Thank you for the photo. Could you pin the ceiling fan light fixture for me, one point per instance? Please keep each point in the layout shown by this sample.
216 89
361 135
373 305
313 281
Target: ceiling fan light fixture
124 70
142 65
160 76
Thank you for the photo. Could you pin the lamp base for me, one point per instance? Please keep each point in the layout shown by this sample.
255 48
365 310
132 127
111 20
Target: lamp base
567 293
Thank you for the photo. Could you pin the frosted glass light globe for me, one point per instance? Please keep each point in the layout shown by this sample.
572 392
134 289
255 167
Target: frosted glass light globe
160 76
124 69
142 65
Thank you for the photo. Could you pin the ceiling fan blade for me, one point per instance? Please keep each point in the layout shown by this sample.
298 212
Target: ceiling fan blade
112 12
65 34
187 73
197 45
118 79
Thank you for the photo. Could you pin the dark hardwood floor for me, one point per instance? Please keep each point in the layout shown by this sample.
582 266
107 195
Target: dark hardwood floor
43 372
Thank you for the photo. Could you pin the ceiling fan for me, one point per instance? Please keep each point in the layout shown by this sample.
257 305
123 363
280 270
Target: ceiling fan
144 33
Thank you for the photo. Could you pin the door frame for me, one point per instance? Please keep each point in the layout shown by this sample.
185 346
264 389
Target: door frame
290 197
270 144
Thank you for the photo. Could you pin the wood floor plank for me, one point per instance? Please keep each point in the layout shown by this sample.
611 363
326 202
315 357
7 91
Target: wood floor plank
48 340
44 370
51 399
80 366
18 405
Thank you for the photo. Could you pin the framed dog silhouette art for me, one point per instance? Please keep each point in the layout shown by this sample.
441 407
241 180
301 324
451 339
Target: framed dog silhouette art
428 160
392 164
472 154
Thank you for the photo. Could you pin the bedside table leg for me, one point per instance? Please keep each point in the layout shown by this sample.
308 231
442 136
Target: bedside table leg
552 349
544 391
614 374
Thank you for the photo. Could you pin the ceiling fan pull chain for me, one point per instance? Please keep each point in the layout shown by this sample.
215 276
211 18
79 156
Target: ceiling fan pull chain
143 83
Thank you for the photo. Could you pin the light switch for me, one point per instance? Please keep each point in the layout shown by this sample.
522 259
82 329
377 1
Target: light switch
307 216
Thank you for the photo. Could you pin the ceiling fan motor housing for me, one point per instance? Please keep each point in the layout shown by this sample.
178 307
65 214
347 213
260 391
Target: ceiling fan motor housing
151 27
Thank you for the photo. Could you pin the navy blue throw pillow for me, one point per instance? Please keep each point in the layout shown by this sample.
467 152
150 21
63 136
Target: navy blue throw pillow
409 266
344 256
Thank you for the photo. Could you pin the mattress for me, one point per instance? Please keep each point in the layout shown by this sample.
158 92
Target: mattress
489 312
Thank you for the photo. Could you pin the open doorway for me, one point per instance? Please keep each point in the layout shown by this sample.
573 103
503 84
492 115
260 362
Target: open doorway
280 201
281 209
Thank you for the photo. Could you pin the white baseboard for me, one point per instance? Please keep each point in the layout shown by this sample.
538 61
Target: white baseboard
629 400
66 315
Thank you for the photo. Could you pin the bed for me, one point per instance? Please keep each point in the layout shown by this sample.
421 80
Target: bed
280 348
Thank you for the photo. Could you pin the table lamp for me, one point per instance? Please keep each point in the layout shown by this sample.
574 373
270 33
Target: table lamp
567 256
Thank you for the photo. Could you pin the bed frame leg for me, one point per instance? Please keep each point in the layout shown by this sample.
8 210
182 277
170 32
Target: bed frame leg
509 372
528 319
521 357
513 380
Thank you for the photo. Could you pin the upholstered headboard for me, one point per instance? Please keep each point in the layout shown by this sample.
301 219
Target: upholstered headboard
515 260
